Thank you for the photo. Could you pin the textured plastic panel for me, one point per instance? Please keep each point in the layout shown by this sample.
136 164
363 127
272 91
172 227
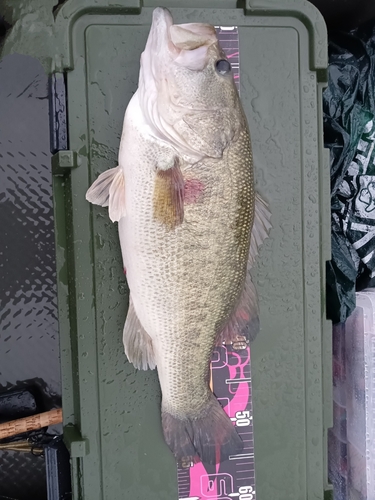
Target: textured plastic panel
117 408
29 343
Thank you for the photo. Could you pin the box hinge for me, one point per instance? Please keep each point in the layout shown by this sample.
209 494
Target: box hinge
64 161
77 445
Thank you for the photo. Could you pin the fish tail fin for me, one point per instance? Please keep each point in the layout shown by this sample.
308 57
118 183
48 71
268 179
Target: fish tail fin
210 436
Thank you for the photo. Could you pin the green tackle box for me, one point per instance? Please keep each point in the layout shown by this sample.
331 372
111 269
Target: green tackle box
111 412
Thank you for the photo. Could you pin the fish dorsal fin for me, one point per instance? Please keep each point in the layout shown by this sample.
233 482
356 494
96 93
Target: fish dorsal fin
109 191
137 343
243 325
261 228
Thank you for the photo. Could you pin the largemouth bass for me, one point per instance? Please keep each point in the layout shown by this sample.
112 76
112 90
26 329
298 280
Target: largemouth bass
190 225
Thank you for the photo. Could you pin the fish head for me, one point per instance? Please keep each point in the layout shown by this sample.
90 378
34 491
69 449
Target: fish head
186 88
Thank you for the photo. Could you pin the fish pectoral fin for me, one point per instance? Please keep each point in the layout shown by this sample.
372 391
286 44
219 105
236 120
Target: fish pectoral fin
137 343
243 325
261 228
168 198
109 191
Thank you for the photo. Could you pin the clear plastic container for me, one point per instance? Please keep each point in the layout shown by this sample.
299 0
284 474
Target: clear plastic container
351 441
337 445
339 421
339 364
360 392
337 466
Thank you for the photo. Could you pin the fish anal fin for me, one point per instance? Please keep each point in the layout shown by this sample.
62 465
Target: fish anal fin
168 199
137 343
109 191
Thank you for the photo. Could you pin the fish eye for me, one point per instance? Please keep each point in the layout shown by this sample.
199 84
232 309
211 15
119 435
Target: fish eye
223 67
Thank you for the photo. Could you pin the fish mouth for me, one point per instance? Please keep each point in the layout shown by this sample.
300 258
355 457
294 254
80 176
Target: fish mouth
163 15
171 50
159 39
159 50
174 39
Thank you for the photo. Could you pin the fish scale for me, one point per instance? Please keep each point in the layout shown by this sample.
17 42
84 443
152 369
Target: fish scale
220 278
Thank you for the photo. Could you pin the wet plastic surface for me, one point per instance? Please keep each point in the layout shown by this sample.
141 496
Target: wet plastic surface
118 409
29 343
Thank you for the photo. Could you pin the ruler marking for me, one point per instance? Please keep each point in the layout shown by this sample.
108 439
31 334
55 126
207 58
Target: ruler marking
242 456
246 380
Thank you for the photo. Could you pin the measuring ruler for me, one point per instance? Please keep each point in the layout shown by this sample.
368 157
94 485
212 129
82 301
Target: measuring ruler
230 43
231 383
